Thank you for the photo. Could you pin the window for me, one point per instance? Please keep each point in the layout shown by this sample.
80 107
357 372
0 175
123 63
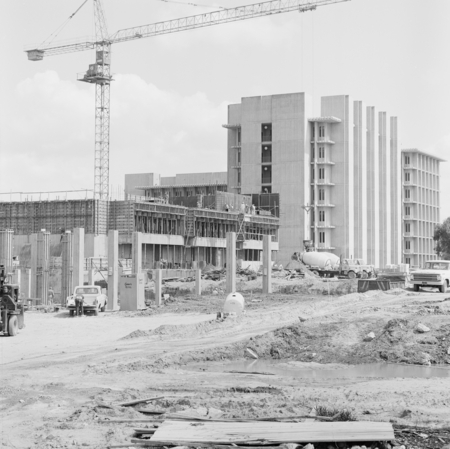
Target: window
239 177
407 227
321 173
408 260
321 215
321 152
407 176
407 194
266 174
407 211
321 237
408 244
267 189
312 153
321 194
266 154
322 131
407 160
312 174
239 137
313 130
266 132
239 156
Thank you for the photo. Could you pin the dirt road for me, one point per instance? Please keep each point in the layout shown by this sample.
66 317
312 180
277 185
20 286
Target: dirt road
54 373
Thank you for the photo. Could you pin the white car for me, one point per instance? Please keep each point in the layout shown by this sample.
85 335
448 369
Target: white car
436 274
93 299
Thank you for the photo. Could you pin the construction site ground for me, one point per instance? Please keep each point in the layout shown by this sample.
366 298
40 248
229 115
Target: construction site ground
58 369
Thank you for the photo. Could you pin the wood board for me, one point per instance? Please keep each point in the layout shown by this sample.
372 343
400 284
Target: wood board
271 432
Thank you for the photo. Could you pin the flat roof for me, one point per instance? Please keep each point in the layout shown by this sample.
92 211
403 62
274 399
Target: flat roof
416 150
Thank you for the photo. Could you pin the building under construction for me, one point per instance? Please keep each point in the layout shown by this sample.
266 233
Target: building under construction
173 235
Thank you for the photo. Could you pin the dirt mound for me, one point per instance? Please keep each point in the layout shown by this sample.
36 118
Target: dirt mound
136 334
318 286
182 330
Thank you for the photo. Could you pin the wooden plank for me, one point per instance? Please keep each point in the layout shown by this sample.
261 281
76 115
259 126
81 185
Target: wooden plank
271 432
138 401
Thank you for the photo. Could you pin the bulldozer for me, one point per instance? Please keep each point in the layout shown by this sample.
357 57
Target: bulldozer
11 307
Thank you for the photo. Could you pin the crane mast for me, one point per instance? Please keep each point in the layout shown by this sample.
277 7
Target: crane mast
99 73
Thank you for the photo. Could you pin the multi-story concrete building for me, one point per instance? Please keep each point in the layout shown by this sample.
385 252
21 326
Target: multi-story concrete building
421 205
338 175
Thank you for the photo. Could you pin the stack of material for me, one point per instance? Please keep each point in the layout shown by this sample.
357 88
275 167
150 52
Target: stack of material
228 432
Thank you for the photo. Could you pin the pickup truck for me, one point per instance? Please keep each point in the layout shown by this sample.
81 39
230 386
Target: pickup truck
93 299
435 274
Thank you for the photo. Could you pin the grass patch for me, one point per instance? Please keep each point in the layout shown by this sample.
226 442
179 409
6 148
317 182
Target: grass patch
336 414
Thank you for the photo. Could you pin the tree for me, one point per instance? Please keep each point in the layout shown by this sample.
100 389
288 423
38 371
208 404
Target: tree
442 238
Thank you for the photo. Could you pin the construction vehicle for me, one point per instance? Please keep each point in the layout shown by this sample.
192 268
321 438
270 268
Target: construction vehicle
11 307
329 265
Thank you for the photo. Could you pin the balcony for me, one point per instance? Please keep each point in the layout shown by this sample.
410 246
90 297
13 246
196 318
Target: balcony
323 226
409 217
323 140
319 204
409 251
322 162
236 147
322 183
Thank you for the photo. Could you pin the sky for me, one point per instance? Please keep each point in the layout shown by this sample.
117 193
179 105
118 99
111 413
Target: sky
170 93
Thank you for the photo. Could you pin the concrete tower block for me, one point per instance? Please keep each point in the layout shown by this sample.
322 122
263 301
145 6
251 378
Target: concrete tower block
267 264
6 249
137 252
231 262
66 267
78 256
113 271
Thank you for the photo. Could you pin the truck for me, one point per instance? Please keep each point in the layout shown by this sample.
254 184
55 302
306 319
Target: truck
435 274
326 264
93 299
11 307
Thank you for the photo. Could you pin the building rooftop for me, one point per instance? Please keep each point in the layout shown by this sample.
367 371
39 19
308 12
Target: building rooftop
174 186
231 125
415 150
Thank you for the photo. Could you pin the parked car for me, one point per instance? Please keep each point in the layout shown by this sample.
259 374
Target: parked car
93 299
435 274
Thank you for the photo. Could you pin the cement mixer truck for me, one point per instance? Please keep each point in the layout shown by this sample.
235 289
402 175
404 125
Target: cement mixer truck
329 265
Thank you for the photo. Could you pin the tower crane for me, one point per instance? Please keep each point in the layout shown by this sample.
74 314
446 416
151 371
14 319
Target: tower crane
99 73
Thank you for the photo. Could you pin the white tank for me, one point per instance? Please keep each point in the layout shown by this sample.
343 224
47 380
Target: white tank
234 304
319 259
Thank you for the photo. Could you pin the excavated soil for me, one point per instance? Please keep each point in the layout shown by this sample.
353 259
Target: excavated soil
59 372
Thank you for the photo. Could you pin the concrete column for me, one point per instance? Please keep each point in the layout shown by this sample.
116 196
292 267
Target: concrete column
267 264
78 256
6 249
231 263
40 254
157 277
17 278
28 289
137 252
198 282
113 270
91 276
66 267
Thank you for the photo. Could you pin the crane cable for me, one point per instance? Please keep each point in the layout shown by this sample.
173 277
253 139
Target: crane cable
55 33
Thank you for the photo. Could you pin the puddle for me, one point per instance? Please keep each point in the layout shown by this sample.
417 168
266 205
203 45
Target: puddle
317 371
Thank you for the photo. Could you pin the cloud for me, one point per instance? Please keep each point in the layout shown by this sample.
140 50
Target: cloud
49 138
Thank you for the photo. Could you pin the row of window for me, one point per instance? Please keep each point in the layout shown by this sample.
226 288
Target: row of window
321 152
321 131
321 173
